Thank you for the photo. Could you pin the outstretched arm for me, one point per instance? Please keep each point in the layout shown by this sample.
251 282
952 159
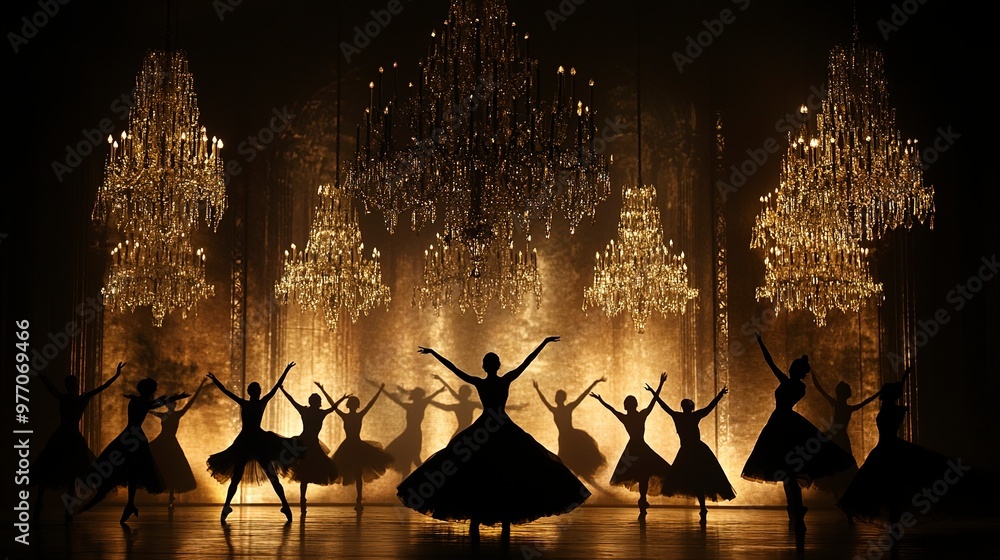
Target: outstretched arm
223 388
513 374
663 404
430 397
281 380
334 405
190 401
448 387
822 391
711 406
542 396
90 394
770 361
388 395
617 414
862 404
327 395
586 392
656 395
165 400
368 406
297 406
454 369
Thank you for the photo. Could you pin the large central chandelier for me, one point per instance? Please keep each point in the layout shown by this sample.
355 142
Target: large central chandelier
163 179
473 144
331 273
639 274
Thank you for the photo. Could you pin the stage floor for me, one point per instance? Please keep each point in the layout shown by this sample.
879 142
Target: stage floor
336 532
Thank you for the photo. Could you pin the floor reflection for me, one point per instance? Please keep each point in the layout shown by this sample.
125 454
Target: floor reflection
194 532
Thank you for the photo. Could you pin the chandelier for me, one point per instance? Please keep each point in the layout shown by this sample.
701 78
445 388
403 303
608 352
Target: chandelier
506 276
163 179
472 143
812 259
162 273
639 274
331 273
862 153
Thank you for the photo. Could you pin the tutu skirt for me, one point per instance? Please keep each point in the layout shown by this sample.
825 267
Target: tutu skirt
405 450
639 463
258 450
173 464
316 467
131 461
358 458
789 447
492 472
65 457
580 453
696 472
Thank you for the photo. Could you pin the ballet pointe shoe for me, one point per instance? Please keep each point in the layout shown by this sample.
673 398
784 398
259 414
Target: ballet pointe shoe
129 511
704 516
285 509
226 510
643 506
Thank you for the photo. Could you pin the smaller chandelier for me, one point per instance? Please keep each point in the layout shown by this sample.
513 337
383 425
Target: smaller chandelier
504 274
331 273
164 275
639 274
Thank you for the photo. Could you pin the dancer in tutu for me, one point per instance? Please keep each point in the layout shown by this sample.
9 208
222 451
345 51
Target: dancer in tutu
842 412
790 449
316 466
132 462
577 448
696 471
358 461
639 468
465 407
167 451
66 456
492 472
255 455
405 449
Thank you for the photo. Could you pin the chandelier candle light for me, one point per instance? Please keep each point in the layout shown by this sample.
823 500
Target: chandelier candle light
163 178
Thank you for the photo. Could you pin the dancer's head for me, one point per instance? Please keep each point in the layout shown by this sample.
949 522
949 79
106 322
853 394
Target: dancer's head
314 400
253 390
72 384
146 387
560 397
891 392
843 391
465 392
799 368
631 404
687 405
353 403
491 363
417 393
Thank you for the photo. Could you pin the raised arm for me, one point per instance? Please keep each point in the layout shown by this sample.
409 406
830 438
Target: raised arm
656 395
513 374
91 393
190 401
822 391
388 395
327 395
453 392
165 400
542 396
586 392
297 406
617 414
862 404
770 361
656 398
430 398
452 367
711 406
281 380
223 388
381 389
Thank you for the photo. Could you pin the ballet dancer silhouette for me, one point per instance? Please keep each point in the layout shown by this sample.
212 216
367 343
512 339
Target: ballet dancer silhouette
358 461
577 448
167 451
405 449
316 466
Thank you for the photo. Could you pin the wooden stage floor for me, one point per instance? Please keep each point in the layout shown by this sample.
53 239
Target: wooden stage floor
336 532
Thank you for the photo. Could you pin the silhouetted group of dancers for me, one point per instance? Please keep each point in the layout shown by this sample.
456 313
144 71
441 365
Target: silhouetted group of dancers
492 472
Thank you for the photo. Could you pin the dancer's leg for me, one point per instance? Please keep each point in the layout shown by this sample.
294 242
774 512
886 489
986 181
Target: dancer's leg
234 483
279 490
